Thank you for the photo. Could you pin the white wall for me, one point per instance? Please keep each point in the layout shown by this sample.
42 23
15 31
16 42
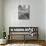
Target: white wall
37 17
45 19
0 18
0 11
38 11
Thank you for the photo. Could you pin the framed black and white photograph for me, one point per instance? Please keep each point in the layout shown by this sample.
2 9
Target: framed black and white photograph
23 12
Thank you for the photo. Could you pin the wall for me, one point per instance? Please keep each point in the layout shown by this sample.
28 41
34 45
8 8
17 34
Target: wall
37 17
0 18
45 19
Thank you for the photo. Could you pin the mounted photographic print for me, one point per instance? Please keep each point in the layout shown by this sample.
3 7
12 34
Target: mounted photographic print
23 12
